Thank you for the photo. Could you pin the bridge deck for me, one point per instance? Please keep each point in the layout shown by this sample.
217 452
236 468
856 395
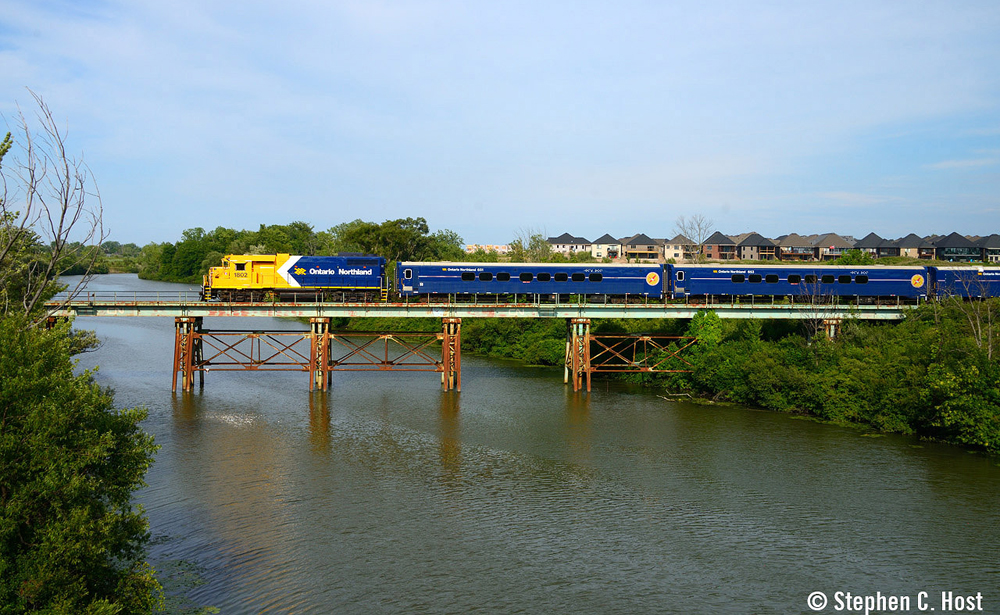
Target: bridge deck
143 304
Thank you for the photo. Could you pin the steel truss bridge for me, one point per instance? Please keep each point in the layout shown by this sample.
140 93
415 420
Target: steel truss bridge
321 350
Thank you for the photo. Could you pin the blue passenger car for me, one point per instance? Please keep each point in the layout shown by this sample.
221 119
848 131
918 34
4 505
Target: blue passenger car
965 281
414 279
797 280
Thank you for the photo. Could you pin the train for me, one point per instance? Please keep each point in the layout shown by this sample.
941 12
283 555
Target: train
367 278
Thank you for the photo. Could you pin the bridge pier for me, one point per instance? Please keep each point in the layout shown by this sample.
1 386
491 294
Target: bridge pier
451 354
320 372
577 362
187 352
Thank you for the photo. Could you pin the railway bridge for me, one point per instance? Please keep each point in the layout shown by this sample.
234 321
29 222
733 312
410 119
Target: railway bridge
198 350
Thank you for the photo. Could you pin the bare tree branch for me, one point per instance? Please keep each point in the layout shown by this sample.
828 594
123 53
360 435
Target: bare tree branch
59 225
697 228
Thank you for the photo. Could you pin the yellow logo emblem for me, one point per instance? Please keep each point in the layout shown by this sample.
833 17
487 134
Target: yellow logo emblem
300 271
917 281
652 278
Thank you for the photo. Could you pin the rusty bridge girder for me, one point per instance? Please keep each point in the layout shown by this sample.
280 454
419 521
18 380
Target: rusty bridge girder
640 353
197 350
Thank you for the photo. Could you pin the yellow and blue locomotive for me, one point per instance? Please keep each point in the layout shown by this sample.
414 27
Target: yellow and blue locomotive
287 277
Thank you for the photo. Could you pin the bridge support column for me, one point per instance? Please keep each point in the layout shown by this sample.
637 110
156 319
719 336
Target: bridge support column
320 374
832 327
578 353
451 354
187 351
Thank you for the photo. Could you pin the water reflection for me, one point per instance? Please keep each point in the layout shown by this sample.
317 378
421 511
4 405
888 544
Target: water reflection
449 447
578 435
319 421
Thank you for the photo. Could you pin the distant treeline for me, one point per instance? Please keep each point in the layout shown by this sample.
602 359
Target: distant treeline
396 240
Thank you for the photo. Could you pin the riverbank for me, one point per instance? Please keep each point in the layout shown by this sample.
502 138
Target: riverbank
935 375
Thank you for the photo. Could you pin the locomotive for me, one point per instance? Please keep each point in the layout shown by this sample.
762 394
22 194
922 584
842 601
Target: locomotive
363 278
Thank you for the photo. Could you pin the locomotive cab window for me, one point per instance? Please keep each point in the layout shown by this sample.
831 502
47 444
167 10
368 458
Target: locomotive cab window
468 276
827 279
579 277
596 277
241 266
407 274
544 277
485 276
861 279
525 277
738 278
844 279
794 278
503 277
561 277
771 278
755 278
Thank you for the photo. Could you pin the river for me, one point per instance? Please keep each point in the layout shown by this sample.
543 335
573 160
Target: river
517 495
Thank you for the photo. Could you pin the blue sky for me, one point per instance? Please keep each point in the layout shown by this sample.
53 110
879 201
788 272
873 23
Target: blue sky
493 118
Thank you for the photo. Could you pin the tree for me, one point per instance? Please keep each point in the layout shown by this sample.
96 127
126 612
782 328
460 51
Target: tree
71 541
530 246
59 221
697 228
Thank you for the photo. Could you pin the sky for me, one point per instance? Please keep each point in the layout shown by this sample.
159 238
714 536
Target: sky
497 119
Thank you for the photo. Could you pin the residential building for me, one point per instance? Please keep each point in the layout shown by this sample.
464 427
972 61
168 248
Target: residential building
720 247
681 249
605 246
957 249
568 244
794 247
990 246
915 246
499 249
870 243
755 247
832 246
642 247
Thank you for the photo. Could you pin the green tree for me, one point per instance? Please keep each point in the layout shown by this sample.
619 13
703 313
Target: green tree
854 257
71 541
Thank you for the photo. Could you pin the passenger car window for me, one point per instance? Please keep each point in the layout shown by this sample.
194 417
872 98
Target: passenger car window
468 276
755 278
485 276
579 277
543 277
503 277
844 279
738 278
561 277
596 277
771 278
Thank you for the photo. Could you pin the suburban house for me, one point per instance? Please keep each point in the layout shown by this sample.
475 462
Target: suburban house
794 247
605 246
642 247
870 243
957 249
832 246
681 249
755 247
915 246
568 244
990 246
719 247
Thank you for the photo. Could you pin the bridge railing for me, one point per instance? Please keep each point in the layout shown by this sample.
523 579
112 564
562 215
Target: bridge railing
128 296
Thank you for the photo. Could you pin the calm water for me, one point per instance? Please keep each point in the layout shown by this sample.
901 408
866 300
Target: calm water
386 495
